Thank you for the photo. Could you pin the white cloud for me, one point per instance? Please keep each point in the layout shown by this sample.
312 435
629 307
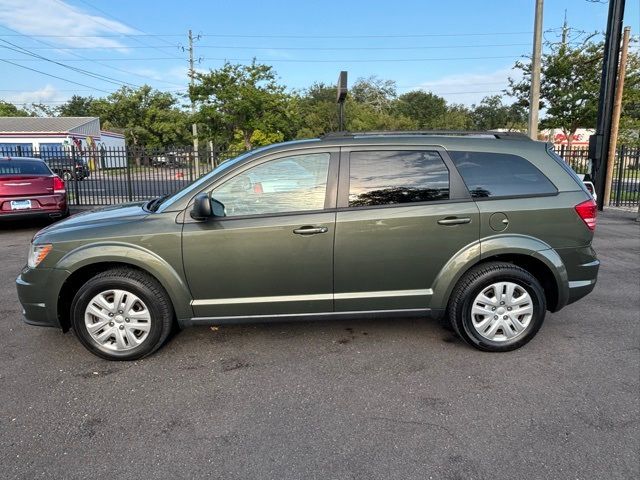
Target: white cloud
51 17
469 88
46 94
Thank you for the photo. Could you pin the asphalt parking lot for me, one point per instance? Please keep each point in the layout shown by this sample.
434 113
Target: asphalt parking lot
333 400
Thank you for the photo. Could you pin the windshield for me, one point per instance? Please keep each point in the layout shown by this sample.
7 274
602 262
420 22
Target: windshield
195 186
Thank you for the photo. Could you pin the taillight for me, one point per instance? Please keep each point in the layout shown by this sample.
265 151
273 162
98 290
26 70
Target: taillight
58 185
587 211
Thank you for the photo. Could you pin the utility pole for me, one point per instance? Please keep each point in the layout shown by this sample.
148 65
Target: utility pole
536 60
194 126
599 143
615 121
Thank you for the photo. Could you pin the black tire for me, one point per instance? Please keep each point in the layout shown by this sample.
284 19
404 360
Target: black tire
147 288
472 283
66 176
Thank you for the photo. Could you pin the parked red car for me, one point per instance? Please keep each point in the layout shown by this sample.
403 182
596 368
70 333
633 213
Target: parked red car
29 188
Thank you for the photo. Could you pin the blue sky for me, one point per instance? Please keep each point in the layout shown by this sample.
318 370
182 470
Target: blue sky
462 50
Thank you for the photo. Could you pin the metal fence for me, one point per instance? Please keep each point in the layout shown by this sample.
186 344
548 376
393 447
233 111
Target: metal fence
115 175
625 184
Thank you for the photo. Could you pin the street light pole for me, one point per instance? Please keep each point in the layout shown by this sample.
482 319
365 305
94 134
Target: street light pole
599 143
536 61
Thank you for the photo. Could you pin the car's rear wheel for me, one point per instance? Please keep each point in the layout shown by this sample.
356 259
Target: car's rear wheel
497 307
122 314
66 176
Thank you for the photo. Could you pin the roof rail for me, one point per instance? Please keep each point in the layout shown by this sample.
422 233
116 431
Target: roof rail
432 133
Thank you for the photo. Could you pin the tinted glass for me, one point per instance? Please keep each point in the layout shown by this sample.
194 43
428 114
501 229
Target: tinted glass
23 167
500 175
290 184
391 177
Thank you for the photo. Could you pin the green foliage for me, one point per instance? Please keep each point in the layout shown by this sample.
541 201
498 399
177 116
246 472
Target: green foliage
630 117
425 109
147 116
377 94
76 106
570 87
492 113
242 98
317 111
10 110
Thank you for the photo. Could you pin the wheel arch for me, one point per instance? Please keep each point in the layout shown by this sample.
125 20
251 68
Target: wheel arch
85 263
535 256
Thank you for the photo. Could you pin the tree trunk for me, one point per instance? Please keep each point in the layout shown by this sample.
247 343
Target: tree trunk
569 137
247 138
136 150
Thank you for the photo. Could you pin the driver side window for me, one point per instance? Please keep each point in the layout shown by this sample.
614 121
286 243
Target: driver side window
289 184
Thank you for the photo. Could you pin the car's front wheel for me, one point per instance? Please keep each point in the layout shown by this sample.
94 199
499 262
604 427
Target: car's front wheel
497 307
122 314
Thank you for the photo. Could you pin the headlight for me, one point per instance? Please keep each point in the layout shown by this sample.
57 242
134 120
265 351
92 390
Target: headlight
37 254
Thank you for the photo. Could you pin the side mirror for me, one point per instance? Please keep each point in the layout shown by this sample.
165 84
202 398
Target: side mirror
201 207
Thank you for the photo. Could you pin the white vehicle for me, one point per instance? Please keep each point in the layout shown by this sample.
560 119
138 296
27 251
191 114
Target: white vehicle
590 186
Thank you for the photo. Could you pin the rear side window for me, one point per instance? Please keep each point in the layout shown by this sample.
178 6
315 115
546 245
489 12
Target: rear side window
392 177
23 167
500 175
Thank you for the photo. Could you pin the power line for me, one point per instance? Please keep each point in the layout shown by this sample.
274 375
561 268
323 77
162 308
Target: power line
53 76
18 34
120 21
249 47
103 78
289 60
222 35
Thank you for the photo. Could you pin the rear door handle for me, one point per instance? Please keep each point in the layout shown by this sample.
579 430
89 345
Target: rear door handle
454 221
310 230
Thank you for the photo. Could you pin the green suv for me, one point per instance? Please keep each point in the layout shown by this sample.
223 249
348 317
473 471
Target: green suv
487 231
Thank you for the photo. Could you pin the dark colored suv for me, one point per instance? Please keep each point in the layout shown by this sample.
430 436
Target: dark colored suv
68 168
486 230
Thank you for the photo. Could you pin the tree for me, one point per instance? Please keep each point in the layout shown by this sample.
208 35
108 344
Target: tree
458 117
148 117
374 92
10 110
242 97
569 85
317 111
76 106
630 115
492 114
426 109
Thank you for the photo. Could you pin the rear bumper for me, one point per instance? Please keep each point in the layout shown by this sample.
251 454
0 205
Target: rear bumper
34 214
579 289
38 294
582 266
52 206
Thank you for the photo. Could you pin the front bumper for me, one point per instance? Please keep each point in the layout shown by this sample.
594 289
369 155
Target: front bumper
38 290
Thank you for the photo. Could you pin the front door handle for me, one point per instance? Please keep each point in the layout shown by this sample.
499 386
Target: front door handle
310 230
454 221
